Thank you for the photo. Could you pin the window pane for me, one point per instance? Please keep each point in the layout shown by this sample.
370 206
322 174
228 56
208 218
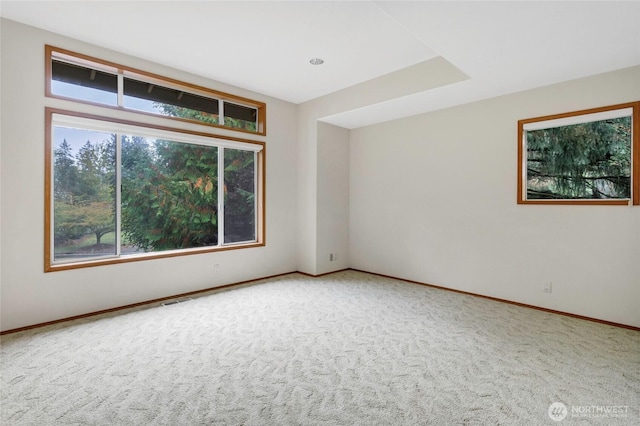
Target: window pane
84 84
240 117
239 198
156 99
169 194
581 161
84 193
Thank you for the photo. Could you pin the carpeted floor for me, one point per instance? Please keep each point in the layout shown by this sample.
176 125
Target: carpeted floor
345 349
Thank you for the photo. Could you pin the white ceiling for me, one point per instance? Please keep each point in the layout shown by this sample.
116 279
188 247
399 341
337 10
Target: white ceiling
265 46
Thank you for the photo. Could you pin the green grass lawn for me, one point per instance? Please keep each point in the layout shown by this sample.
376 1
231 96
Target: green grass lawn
86 243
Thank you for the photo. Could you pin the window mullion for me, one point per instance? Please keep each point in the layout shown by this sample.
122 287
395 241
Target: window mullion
120 89
220 196
118 241
221 112
52 192
257 198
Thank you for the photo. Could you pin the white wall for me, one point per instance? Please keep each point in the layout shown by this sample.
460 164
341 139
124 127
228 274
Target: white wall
323 199
28 295
333 198
307 163
429 198
433 199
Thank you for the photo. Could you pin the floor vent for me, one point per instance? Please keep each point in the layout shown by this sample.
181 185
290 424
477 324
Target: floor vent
175 302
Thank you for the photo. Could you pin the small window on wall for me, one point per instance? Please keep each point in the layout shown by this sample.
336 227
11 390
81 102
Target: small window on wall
583 157
81 78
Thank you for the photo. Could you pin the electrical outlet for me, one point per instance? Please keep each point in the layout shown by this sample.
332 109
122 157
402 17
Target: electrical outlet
548 287
216 268
331 257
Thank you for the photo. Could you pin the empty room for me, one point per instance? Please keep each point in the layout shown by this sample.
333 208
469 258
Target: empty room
319 213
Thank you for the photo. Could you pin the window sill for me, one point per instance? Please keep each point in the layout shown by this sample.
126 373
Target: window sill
49 267
620 202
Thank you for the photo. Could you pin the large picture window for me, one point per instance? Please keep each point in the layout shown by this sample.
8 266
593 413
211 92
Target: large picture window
121 191
583 157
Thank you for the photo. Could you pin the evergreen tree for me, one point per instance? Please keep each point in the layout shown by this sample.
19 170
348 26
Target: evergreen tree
169 197
239 197
65 181
589 160
84 195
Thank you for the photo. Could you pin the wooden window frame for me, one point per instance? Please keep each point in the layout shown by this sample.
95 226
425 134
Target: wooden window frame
635 158
84 60
50 266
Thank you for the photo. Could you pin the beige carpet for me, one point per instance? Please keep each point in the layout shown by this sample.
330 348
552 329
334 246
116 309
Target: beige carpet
346 349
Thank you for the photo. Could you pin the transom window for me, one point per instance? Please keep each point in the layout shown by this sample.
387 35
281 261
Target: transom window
86 79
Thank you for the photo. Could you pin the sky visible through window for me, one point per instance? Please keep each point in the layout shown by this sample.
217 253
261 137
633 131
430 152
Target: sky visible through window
75 138
101 96
84 93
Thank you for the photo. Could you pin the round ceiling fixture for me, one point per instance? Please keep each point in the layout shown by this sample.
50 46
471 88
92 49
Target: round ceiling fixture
316 61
